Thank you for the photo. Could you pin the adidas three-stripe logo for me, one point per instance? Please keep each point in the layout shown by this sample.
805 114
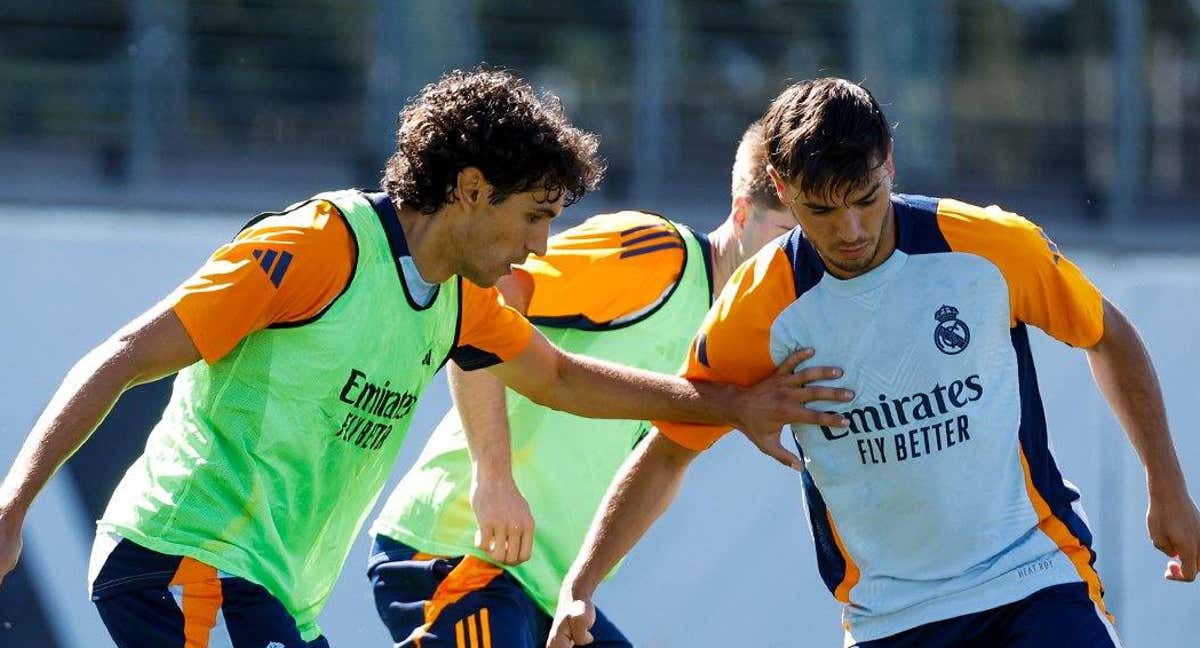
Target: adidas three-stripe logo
273 263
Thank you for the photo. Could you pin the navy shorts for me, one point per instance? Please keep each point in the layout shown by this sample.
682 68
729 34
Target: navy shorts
456 602
1061 616
152 600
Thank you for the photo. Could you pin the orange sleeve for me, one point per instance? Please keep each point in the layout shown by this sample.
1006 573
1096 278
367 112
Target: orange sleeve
490 331
1045 288
284 268
608 267
734 342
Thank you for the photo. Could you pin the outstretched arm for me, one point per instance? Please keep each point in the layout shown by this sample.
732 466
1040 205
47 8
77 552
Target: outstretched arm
150 347
1123 371
597 389
642 490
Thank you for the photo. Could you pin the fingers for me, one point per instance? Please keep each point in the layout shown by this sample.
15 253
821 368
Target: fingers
572 628
812 374
527 543
833 394
1182 569
490 541
512 544
579 622
790 363
774 448
560 636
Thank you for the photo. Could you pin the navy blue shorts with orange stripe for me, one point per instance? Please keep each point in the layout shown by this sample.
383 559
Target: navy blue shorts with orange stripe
153 600
1061 615
460 602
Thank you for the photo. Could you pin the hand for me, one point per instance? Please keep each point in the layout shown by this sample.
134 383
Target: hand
10 544
505 522
1174 526
782 399
572 622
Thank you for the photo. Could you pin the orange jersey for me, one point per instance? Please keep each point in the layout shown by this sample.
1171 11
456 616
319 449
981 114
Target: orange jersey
288 268
604 270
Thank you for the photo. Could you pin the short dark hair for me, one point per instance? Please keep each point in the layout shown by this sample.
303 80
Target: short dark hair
827 133
495 122
750 177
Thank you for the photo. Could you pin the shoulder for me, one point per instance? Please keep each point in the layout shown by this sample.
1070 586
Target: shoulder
623 231
991 232
312 216
773 278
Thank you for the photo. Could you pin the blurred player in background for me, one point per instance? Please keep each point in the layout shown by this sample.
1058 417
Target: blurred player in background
939 515
302 348
630 287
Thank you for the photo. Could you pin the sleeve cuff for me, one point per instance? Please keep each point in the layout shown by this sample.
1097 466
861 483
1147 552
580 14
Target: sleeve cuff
697 438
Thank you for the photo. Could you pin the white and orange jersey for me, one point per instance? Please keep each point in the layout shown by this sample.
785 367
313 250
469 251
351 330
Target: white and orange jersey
942 497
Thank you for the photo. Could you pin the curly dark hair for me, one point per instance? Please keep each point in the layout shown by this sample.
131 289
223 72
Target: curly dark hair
827 133
495 122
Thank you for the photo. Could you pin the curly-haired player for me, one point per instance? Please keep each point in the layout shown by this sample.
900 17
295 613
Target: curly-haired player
302 347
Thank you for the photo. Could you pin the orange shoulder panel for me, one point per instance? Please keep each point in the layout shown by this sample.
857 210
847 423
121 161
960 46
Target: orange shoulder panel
605 268
284 268
1045 288
734 342
491 331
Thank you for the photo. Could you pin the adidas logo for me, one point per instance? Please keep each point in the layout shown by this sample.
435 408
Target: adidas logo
275 265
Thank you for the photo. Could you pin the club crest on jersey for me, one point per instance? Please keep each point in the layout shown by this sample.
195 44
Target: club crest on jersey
951 334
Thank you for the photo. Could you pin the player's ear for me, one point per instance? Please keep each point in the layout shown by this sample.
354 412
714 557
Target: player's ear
780 185
740 212
471 186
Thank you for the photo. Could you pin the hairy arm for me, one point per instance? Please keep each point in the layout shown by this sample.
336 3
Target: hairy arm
505 522
643 489
597 389
1123 372
150 347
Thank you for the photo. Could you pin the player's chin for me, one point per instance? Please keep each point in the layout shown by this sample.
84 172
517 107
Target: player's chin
488 278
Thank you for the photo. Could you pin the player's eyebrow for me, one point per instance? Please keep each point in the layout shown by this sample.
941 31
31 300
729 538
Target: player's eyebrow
869 194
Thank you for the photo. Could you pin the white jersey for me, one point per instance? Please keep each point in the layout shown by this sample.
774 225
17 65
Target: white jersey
942 497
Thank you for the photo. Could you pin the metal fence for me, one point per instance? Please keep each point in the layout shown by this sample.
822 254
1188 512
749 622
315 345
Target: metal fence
1091 104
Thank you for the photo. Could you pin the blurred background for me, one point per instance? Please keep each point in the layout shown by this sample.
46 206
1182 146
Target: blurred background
137 136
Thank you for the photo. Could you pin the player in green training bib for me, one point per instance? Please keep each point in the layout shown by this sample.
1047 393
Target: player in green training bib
628 287
302 348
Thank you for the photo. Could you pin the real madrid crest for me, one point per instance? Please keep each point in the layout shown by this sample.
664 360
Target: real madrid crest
951 334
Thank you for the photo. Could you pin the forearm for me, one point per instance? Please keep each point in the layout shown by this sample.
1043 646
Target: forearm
641 491
597 389
86 395
1124 373
150 347
479 398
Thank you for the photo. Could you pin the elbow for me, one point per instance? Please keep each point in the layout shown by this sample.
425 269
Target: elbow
551 391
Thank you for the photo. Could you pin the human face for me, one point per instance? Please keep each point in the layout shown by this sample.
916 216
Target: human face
852 237
504 234
764 226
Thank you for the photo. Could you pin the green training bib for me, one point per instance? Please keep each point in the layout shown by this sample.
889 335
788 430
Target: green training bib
266 463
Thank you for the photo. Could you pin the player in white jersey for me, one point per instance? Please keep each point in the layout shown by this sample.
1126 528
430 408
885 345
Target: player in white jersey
939 515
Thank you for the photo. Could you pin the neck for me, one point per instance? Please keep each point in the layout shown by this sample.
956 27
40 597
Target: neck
887 246
429 241
727 254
